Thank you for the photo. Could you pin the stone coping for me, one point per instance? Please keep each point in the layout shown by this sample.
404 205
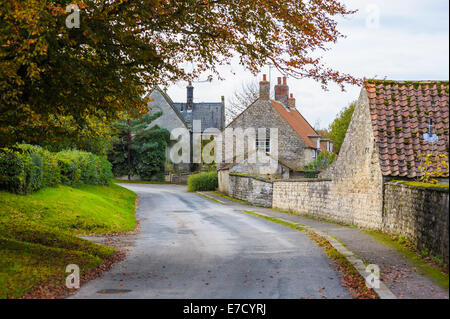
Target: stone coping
252 176
294 180
430 187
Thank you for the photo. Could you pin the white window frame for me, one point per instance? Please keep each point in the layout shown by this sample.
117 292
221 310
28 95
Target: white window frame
263 143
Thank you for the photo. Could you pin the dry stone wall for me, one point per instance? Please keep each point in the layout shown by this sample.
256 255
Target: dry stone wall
419 214
255 190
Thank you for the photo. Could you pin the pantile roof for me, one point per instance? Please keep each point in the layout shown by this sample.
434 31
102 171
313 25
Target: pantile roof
297 122
400 114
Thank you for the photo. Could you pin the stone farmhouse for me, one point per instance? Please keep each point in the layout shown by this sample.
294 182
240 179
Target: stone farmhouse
183 114
298 142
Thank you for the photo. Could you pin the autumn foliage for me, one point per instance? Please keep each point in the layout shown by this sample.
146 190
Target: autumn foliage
50 72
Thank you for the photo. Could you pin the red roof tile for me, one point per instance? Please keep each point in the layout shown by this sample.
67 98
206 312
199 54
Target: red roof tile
400 112
297 122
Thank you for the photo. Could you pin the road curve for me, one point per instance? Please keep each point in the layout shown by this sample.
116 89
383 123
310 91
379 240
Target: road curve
192 247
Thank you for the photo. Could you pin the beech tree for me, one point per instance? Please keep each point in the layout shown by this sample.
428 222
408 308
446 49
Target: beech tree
102 69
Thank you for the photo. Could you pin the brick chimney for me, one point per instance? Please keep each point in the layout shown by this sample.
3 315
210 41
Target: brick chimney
282 91
291 101
190 96
264 89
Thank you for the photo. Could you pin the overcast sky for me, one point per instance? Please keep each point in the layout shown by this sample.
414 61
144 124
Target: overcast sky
399 40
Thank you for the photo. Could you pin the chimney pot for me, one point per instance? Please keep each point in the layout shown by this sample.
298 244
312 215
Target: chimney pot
291 101
264 89
282 92
190 96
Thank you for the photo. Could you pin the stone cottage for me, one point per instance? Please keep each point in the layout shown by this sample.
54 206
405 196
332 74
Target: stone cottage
297 142
393 122
183 114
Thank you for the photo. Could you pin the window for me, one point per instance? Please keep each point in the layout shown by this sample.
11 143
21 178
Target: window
330 147
263 144
263 141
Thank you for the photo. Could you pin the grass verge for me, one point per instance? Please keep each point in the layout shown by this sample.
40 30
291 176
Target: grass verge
38 233
316 218
424 263
210 198
350 277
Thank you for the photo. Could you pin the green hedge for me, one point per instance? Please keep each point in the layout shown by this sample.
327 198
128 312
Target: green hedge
203 182
78 167
27 168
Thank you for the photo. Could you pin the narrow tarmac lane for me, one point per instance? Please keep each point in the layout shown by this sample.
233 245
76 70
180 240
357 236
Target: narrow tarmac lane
192 247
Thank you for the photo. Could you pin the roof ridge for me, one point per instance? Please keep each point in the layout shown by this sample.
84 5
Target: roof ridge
290 118
170 102
386 82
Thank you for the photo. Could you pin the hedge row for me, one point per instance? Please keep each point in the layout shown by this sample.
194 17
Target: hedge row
27 168
203 182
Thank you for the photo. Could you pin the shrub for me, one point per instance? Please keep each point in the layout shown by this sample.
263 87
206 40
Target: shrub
50 168
20 171
27 168
68 162
79 167
206 181
324 159
12 171
105 170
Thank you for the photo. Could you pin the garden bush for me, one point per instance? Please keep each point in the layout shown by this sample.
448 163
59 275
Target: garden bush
50 168
206 181
13 173
27 168
79 167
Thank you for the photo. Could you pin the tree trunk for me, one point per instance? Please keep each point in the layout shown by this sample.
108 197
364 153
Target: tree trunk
129 151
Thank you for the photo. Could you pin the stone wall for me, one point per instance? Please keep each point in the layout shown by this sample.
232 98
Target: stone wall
328 199
179 178
255 190
419 214
223 180
351 189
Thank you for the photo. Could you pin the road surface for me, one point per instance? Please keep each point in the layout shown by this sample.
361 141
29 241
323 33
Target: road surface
191 247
